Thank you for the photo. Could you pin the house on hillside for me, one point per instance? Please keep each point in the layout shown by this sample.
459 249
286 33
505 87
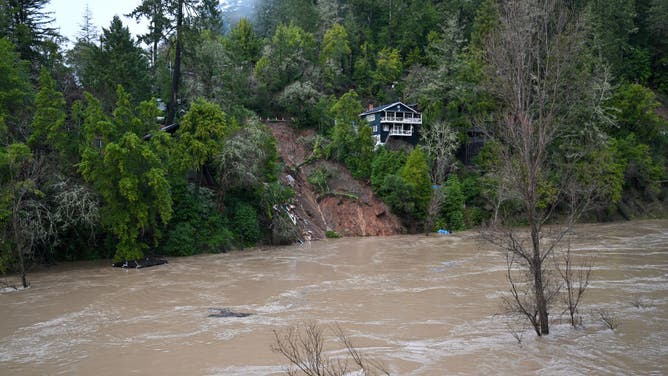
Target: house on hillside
396 120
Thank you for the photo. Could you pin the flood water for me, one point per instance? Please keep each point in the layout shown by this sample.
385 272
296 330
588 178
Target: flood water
421 305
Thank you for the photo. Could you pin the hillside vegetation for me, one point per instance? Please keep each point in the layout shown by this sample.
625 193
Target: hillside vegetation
87 172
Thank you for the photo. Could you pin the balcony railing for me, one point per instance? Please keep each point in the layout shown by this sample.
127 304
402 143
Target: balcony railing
401 132
395 119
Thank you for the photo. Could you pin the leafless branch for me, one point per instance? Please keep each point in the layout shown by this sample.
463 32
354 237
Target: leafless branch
576 280
608 319
304 349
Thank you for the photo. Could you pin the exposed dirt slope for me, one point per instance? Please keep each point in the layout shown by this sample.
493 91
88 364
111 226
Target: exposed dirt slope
350 208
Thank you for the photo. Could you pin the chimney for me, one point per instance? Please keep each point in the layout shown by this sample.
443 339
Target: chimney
370 106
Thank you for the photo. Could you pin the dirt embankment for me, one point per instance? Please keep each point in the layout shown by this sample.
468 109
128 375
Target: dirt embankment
348 206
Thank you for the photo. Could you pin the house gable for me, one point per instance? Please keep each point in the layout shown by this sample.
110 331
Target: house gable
395 107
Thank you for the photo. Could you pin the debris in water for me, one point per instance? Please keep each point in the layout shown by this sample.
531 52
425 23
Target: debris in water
144 263
226 312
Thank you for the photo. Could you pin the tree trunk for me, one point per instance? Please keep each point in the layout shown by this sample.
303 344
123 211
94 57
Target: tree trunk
24 280
154 62
541 301
19 251
535 228
176 73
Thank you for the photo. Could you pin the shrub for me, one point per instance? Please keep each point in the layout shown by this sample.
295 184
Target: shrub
396 193
182 240
416 174
196 226
453 207
385 163
318 178
245 224
331 234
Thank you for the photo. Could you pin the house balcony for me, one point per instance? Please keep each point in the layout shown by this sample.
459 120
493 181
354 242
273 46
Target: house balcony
403 120
400 131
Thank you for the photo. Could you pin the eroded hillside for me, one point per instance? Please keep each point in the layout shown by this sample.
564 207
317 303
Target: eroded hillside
346 206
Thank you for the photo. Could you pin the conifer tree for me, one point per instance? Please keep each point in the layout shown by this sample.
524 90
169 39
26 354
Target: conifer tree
48 124
416 174
453 204
117 61
130 174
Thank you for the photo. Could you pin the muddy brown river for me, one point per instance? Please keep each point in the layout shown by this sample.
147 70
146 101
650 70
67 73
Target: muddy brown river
421 305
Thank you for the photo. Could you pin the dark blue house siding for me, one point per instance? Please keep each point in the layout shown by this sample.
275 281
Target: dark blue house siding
396 120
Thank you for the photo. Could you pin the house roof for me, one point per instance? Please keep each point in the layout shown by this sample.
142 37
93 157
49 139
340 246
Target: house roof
385 107
167 128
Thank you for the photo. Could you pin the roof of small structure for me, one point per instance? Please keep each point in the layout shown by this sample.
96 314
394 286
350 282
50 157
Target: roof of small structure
171 128
386 106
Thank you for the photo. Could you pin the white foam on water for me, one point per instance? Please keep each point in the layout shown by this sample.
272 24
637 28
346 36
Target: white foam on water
247 371
53 339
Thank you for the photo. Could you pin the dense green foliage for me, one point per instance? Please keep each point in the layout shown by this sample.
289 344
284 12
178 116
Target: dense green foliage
202 133
130 174
15 91
416 175
89 129
402 181
351 143
118 60
196 225
453 205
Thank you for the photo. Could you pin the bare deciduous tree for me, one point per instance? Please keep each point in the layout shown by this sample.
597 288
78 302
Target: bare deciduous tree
305 349
42 205
440 143
533 59
522 274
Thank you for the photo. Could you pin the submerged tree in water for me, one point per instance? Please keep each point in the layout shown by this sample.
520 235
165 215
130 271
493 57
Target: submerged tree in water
541 76
305 349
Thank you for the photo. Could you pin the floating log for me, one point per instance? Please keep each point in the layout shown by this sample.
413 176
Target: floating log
143 263
226 312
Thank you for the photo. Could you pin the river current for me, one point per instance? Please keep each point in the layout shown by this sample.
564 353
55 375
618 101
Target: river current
423 305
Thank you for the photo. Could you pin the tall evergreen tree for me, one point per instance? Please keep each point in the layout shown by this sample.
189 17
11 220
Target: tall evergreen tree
87 29
453 204
158 24
335 53
416 174
15 94
129 173
28 26
242 43
48 133
117 61
170 21
201 135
